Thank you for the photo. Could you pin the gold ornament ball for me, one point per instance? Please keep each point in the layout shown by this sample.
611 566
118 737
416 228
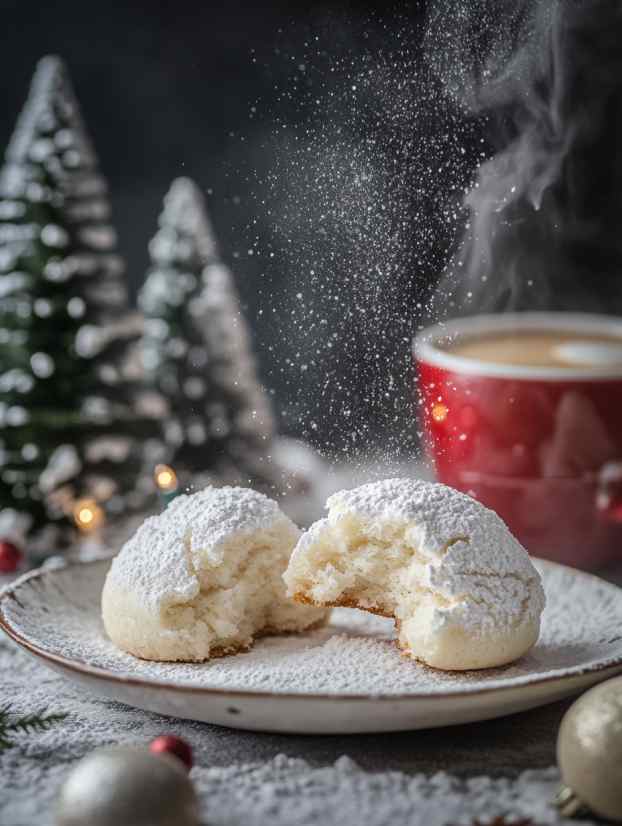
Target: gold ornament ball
123 786
589 751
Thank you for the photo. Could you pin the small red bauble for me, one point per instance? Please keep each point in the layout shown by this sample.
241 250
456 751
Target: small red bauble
170 744
10 557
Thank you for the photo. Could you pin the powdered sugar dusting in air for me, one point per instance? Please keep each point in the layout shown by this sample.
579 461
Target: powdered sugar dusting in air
354 655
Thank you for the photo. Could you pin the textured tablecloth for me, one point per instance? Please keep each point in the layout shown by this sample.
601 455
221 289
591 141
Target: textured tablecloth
443 776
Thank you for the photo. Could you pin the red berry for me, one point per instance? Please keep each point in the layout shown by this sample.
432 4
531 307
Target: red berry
170 744
10 557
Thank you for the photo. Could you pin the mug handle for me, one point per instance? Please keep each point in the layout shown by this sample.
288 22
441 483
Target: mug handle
609 492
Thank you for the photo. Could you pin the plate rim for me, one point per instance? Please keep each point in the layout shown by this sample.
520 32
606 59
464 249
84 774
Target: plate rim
85 669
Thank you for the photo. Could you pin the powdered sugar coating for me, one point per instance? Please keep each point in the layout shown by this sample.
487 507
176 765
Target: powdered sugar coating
153 563
438 516
470 553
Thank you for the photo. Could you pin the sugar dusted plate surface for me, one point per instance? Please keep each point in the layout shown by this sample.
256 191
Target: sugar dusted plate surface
346 677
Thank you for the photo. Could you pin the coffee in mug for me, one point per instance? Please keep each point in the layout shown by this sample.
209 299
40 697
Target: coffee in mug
541 348
524 412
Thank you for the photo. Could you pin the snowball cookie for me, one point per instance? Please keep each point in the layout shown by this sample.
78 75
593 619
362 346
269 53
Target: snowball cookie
462 590
203 578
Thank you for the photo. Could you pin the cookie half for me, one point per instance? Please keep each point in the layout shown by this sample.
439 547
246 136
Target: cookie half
462 590
204 578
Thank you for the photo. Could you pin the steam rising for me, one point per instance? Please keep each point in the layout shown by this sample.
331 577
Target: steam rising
545 213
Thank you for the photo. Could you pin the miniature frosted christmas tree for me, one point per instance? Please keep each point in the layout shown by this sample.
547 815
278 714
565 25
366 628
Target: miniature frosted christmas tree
70 375
198 353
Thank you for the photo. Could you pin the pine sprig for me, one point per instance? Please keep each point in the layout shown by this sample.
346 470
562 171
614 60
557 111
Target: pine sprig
29 723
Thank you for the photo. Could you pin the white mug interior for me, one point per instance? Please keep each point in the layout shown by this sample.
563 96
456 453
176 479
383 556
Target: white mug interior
430 346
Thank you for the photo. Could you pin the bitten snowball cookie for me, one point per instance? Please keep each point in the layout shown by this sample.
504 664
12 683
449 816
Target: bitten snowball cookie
462 590
203 578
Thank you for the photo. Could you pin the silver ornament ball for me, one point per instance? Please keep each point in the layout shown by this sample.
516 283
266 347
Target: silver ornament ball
589 752
124 786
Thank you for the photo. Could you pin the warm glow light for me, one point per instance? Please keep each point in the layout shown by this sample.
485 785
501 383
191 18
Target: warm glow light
439 412
87 515
165 478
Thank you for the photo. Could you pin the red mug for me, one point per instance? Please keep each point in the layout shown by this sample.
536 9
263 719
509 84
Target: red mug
541 445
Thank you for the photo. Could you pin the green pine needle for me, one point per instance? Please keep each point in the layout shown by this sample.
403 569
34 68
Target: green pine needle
40 721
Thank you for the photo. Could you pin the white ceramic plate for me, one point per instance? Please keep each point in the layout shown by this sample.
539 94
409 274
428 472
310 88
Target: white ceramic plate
346 677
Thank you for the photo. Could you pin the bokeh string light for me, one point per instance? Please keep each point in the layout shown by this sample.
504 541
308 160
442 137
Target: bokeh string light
165 478
88 515
167 483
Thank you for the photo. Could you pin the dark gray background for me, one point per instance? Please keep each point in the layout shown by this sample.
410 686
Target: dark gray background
166 89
